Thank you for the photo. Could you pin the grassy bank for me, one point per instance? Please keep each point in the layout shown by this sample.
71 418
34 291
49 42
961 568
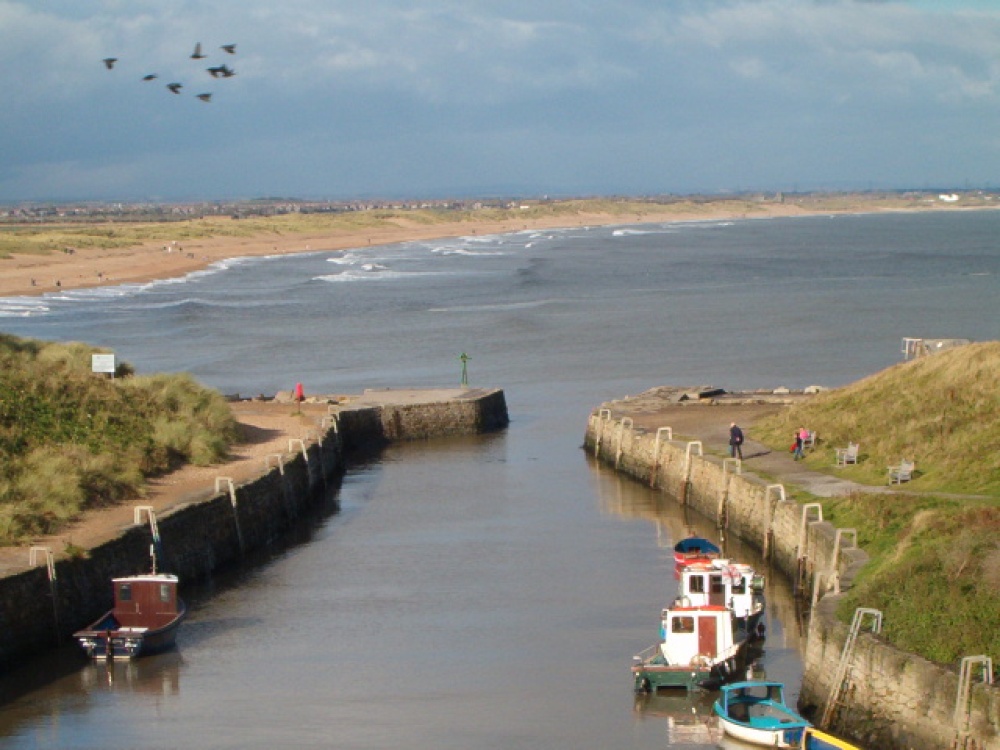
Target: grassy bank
72 440
934 544
55 236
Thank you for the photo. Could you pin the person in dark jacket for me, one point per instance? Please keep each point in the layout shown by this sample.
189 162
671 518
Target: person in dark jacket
735 441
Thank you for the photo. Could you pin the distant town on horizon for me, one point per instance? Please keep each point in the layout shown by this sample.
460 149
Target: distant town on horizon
150 210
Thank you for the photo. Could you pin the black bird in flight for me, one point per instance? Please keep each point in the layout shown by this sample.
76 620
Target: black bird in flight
205 97
196 55
109 62
175 87
221 71
149 77
230 48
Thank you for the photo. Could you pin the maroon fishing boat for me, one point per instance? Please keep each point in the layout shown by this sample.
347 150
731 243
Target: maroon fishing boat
144 620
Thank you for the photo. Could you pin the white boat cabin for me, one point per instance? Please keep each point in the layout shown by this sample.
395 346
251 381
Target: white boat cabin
722 583
698 635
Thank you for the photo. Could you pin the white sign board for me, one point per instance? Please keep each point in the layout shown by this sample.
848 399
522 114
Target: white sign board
103 363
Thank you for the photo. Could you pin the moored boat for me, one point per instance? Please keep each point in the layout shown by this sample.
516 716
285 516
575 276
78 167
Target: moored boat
756 712
695 549
700 647
146 614
814 739
726 584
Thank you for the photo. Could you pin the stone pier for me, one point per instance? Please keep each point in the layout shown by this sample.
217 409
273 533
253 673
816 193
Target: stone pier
894 700
43 605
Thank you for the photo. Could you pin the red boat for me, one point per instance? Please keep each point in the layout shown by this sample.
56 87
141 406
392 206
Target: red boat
145 618
695 549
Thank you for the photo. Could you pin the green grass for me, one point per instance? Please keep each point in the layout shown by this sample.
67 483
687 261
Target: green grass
934 571
941 411
72 440
935 544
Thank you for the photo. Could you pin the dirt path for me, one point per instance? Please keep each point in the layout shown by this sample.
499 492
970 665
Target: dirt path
709 419
265 429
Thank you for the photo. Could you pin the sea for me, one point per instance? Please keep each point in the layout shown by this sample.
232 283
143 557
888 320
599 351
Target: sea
486 592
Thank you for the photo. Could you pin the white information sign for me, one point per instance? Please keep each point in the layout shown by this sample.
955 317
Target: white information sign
103 363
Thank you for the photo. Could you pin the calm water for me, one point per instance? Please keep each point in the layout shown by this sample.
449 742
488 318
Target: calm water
486 592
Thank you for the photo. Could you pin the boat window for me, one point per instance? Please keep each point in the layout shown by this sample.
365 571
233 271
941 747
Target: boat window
164 592
125 592
740 586
696 584
717 587
682 625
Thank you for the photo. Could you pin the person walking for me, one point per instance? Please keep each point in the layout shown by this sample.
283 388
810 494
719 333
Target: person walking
800 440
735 441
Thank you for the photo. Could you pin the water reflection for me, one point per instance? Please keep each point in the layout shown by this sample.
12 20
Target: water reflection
687 717
157 675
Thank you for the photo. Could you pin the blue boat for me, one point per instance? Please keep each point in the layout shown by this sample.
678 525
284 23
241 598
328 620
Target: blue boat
695 548
756 712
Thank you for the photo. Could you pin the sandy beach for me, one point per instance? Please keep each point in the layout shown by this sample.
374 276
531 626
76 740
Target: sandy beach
35 274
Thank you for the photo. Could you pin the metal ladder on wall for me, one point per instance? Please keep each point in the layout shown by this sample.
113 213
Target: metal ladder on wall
842 679
962 701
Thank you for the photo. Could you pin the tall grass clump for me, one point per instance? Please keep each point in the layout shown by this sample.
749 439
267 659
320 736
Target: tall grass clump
72 440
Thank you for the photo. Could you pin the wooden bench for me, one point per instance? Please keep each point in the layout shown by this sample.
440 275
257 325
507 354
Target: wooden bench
901 473
848 455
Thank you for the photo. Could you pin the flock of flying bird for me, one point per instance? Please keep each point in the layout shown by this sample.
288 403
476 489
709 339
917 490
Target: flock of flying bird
216 71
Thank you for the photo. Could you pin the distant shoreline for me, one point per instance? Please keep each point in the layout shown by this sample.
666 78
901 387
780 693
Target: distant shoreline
25 275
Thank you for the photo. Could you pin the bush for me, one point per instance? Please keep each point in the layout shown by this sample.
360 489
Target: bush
71 440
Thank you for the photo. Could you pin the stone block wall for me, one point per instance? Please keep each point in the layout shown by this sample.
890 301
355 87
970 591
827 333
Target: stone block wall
896 701
201 537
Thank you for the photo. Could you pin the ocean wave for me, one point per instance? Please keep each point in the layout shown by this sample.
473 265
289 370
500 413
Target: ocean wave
199 302
500 306
377 275
353 258
458 250
634 232
22 307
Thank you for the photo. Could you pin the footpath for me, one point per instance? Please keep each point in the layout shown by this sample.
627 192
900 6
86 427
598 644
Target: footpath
708 419
265 427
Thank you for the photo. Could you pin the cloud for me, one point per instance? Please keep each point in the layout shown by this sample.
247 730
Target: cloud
418 97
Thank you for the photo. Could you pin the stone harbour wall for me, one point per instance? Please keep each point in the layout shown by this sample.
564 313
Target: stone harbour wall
894 700
201 537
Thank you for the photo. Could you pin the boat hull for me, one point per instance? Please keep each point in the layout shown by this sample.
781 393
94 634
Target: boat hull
654 673
788 737
756 712
106 639
650 678
814 739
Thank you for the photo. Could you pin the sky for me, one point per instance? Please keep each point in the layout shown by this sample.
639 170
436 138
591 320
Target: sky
336 100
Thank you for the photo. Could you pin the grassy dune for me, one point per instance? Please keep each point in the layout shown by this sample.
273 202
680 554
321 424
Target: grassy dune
72 440
935 544
56 236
